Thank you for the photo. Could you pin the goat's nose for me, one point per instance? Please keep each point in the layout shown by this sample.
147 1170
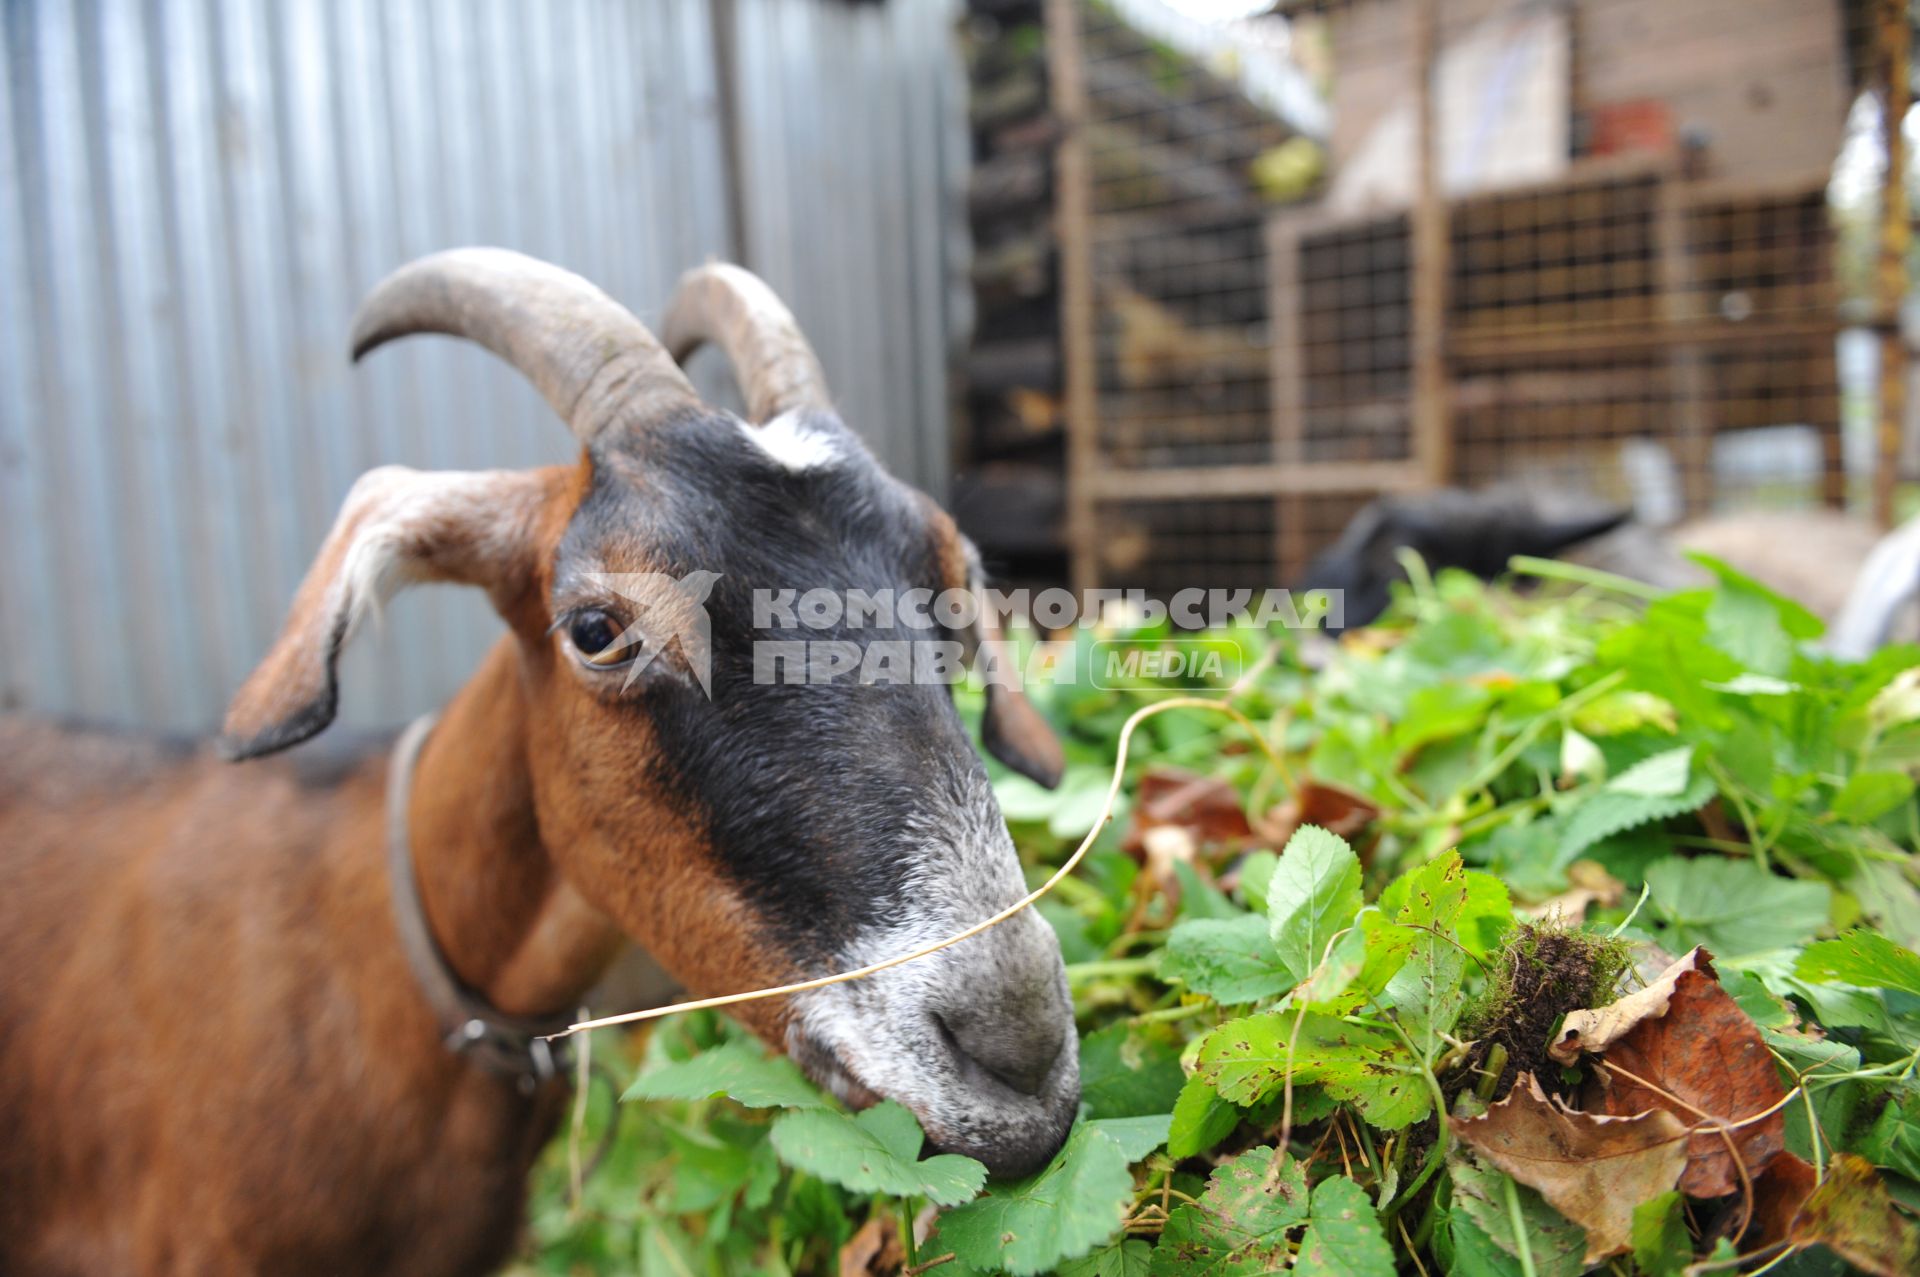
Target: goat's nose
1013 1029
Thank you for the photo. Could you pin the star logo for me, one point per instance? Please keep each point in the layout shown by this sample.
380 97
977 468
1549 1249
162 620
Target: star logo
668 612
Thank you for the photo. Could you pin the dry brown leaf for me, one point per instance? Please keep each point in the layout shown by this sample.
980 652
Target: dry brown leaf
1592 1169
1702 1060
1852 1214
1337 810
1164 847
1589 884
1595 1030
873 1251
1778 1196
1206 808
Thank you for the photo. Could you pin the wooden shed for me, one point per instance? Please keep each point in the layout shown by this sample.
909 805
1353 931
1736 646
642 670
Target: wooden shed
1598 242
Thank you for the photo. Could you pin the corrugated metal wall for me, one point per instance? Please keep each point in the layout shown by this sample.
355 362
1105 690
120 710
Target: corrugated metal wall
194 194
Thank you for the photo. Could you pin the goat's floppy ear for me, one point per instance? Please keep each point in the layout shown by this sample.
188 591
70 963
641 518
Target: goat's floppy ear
1015 733
1010 727
398 527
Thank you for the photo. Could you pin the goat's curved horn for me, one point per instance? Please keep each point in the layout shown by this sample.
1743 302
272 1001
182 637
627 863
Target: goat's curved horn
734 309
587 355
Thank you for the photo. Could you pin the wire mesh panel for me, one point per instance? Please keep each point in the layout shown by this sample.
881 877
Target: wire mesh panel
1178 261
1611 333
1548 262
1164 547
1627 290
1176 150
1351 324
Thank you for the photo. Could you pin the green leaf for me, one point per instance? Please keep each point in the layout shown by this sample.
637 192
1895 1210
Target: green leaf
1136 1136
1756 685
1229 961
1580 758
1129 1072
1745 626
1889 901
1661 776
1077 803
739 1070
1485 1240
1818 1062
1893 1141
1201 1119
1898 702
1869 795
1487 915
814 1209
1438 713
1344 1237
1347 961
1793 618
1618 713
875 1151
665 1250
1314 892
1862 958
1425 990
1246 1060
1763 1006
1734 907
1238 1227
1256 871
1640 795
1661 1245
1199 898
706 1171
1127 1257
1021 799
1030 1225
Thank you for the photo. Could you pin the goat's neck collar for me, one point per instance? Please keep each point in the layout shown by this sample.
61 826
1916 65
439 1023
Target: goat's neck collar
508 1046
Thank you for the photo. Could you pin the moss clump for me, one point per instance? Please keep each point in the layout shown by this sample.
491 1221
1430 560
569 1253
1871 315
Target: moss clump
1542 973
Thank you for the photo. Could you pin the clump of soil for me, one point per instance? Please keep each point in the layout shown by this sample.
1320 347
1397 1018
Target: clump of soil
1543 972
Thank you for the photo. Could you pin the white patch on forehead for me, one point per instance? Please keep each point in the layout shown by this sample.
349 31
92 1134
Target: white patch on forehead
793 442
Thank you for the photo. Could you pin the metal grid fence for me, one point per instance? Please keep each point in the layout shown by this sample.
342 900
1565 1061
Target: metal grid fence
1651 317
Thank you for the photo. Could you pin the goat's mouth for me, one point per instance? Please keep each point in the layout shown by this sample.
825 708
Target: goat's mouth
1013 1123
827 1069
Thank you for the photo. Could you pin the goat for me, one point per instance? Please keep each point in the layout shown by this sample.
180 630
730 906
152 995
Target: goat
1810 556
219 1052
1478 532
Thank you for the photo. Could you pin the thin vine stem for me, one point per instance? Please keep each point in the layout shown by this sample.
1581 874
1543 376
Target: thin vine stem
1139 716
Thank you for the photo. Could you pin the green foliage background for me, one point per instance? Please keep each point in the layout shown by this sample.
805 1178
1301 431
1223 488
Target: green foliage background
1752 794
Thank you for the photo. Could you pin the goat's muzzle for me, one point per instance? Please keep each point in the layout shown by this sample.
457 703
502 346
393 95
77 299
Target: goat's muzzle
978 1040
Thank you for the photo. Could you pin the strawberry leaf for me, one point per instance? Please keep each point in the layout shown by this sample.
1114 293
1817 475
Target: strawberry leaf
1314 892
1861 958
1230 960
741 1071
1238 1227
876 1151
1344 1237
1246 1060
1030 1225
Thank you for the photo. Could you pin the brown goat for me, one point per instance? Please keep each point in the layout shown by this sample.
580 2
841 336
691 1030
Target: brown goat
215 1054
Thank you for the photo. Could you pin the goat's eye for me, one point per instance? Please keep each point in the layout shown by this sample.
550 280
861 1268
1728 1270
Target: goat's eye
597 636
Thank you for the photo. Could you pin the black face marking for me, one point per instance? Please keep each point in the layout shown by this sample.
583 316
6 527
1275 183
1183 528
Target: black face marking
819 799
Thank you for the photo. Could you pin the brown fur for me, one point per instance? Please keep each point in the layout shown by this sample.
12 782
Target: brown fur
213 1057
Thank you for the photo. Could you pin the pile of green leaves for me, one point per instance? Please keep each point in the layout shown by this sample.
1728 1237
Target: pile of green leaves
1309 1051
